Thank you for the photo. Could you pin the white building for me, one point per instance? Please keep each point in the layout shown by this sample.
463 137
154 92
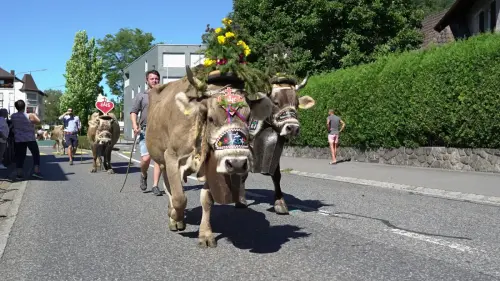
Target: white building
13 89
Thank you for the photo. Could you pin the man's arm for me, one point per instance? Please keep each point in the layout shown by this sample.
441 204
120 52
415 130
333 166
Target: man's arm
62 116
34 119
327 125
136 107
343 125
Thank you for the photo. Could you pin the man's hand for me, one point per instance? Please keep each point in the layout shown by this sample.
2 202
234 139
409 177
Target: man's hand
137 130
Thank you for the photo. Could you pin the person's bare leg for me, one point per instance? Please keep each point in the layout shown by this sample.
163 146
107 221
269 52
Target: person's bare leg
332 150
156 179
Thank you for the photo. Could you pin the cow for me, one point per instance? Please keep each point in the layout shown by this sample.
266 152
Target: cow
57 135
268 137
189 124
103 133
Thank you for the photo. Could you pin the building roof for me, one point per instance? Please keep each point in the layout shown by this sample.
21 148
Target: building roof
5 74
30 85
456 10
430 34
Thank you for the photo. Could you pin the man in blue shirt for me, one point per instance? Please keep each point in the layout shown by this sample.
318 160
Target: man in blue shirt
72 126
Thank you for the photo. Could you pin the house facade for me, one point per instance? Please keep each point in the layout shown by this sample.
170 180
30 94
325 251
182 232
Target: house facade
12 89
466 18
169 60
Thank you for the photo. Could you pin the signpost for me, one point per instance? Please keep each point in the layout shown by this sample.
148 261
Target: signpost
104 105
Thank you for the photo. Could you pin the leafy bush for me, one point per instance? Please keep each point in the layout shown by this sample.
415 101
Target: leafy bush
443 96
83 142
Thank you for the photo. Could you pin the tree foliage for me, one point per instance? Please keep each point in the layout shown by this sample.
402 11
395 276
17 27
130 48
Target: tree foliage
433 6
119 50
52 106
443 96
83 74
328 34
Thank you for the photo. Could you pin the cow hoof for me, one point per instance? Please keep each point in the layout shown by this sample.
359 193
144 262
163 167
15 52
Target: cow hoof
207 241
94 170
240 205
176 225
280 207
111 171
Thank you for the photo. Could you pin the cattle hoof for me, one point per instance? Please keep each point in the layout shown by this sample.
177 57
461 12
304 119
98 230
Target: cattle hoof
176 225
280 207
240 205
111 171
180 225
207 241
94 170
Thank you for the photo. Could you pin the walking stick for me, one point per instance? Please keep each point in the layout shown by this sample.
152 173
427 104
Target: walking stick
129 162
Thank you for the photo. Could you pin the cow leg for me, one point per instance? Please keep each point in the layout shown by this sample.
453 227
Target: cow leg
241 201
280 206
175 191
206 236
94 158
107 160
172 224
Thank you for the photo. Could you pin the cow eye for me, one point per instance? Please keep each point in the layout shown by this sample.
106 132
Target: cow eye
210 119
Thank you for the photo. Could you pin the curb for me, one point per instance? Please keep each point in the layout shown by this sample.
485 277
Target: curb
9 211
455 195
432 192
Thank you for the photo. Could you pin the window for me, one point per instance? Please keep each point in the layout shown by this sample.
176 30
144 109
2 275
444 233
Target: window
174 60
165 80
133 94
7 83
138 89
31 109
1 99
31 99
493 16
12 108
481 21
146 66
145 86
197 59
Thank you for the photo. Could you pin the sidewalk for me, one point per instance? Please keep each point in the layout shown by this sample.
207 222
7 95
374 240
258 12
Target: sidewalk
487 184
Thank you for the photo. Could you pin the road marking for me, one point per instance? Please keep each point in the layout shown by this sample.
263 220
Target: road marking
432 240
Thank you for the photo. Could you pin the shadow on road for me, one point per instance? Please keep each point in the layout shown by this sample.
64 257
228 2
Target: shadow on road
266 196
121 168
246 229
49 166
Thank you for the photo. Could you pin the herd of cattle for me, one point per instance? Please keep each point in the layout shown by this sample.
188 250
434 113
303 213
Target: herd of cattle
213 129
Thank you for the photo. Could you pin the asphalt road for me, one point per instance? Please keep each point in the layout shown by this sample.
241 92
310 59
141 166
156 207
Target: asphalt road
77 226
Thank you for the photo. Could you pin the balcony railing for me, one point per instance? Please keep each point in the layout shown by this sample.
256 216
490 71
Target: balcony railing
8 86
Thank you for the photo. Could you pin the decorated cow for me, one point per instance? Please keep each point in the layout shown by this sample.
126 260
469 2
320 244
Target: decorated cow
103 133
57 135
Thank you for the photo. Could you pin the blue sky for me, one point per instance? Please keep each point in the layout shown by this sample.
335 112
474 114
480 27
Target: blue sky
41 32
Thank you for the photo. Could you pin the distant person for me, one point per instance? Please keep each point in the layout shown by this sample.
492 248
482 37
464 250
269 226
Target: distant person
4 134
72 126
332 125
23 126
140 104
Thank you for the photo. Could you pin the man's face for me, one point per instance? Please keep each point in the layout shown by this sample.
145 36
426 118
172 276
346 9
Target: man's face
70 111
152 80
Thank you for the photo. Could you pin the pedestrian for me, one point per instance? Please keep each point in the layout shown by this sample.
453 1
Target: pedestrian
4 134
72 127
332 125
23 126
140 104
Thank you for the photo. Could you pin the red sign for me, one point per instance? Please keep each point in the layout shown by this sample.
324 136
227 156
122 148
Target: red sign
104 105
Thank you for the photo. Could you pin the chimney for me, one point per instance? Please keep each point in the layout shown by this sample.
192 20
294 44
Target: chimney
13 72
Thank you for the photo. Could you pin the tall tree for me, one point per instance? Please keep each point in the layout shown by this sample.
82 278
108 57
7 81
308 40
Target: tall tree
83 74
324 35
52 106
119 50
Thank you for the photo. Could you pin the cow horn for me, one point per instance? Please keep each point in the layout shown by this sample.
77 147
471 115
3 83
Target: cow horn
303 84
193 80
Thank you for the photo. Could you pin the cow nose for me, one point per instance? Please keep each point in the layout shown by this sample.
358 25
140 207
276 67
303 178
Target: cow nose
234 166
292 130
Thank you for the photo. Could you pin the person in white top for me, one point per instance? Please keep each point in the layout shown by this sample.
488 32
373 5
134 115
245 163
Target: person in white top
4 134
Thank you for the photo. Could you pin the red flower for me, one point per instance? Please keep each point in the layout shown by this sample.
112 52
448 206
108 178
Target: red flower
225 140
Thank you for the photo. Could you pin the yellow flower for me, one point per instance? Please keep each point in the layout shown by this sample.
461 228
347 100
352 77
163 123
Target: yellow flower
229 34
221 39
247 51
226 21
218 30
241 43
208 62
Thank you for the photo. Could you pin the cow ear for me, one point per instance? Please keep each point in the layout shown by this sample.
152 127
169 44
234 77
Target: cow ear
184 105
306 102
260 105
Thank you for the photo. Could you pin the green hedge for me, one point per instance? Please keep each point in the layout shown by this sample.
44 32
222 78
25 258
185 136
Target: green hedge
443 96
83 142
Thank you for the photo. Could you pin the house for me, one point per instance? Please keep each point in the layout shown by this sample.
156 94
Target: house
12 89
466 18
169 60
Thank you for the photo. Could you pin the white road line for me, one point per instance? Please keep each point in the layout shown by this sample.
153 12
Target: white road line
432 240
405 233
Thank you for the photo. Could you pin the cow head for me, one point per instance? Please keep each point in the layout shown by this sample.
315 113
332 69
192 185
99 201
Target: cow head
223 112
286 103
104 132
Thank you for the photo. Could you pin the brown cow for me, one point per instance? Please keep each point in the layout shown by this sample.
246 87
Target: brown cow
186 123
103 134
57 135
268 137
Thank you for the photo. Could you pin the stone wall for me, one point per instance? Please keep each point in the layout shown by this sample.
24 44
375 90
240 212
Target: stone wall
464 159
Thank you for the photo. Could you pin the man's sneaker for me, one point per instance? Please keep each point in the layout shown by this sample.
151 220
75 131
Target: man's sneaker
37 175
71 162
144 183
156 191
